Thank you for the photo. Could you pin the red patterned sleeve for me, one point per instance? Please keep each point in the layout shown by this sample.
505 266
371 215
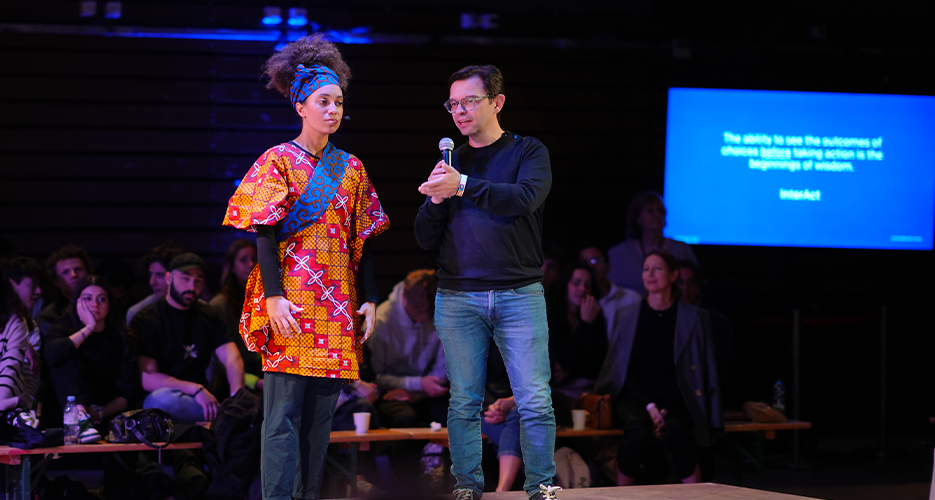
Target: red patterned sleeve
369 218
262 196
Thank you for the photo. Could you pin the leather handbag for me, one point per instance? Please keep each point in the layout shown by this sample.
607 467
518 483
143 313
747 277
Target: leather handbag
148 426
598 408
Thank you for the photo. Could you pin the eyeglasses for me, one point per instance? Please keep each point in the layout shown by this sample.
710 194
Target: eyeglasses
468 103
596 260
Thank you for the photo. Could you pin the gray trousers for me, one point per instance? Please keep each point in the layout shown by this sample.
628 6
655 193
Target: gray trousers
296 430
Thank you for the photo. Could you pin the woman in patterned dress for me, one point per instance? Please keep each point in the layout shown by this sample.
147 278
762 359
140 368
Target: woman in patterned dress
310 302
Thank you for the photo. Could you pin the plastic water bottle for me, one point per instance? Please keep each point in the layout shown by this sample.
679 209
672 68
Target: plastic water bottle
779 396
72 411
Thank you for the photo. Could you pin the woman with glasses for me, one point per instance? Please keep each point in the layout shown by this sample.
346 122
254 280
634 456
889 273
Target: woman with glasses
311 301
661 374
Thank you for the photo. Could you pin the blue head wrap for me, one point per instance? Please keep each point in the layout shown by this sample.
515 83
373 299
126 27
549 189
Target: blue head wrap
307 80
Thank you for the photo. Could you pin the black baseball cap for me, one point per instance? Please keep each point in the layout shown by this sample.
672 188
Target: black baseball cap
186 262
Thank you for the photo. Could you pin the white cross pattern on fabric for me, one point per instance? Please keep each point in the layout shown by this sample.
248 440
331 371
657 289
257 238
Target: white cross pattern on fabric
342 201
315 278
275 213
190 351
256 170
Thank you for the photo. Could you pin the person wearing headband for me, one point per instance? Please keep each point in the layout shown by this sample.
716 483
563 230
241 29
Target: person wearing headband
310 301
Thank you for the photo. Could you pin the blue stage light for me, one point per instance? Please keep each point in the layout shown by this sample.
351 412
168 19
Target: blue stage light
298 17
272 16
113 10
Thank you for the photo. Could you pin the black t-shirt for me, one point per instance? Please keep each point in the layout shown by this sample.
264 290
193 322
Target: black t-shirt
651 374
181 342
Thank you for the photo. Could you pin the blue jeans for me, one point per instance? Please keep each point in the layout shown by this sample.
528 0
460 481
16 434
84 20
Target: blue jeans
180 406
515 319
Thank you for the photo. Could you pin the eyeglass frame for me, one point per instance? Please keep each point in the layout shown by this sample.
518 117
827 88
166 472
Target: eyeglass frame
454 108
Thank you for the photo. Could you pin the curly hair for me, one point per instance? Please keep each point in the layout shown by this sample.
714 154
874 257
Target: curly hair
307 50
65 253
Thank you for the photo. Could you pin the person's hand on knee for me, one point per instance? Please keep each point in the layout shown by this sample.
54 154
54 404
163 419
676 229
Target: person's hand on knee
208 403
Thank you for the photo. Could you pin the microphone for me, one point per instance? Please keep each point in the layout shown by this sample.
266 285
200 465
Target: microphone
446 145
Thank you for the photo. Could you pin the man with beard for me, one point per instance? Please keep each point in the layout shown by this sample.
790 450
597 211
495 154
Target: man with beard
175 339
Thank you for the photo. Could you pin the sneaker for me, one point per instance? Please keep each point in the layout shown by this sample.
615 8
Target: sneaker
465 494
546 493
89 436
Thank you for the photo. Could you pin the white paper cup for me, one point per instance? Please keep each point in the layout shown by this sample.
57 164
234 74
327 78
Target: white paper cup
362 422
579 417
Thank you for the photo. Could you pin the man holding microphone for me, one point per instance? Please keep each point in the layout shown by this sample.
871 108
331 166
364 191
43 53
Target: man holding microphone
484 215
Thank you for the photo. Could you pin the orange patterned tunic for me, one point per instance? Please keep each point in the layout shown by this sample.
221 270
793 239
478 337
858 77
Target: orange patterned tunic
323 211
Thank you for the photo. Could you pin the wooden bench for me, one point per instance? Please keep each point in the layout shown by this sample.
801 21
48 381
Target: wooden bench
762 431
18 472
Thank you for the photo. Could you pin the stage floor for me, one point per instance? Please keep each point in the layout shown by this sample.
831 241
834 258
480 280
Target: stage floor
704 491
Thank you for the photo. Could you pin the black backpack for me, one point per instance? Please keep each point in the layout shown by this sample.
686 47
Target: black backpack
233 452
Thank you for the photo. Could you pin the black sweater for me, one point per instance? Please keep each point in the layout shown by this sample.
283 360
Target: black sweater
490 238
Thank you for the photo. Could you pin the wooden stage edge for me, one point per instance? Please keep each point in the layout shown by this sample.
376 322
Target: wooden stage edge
703 491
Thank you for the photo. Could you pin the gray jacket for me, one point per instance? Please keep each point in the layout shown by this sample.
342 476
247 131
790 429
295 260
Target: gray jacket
695 368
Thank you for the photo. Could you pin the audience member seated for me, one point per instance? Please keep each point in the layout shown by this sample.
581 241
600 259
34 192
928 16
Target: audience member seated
577 337
239 261
88 355
407 356
25 274
174 340
577 347
694 287
552 258
661 373
157 262
14 367
646 217
66 266
613 297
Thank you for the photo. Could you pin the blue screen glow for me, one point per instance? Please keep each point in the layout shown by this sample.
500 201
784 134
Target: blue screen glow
800 169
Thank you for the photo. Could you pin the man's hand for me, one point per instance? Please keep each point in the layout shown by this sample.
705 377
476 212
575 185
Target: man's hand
281 321
434 386
442 183
369 311
208 403
397 395
33 358
590 308
367 390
